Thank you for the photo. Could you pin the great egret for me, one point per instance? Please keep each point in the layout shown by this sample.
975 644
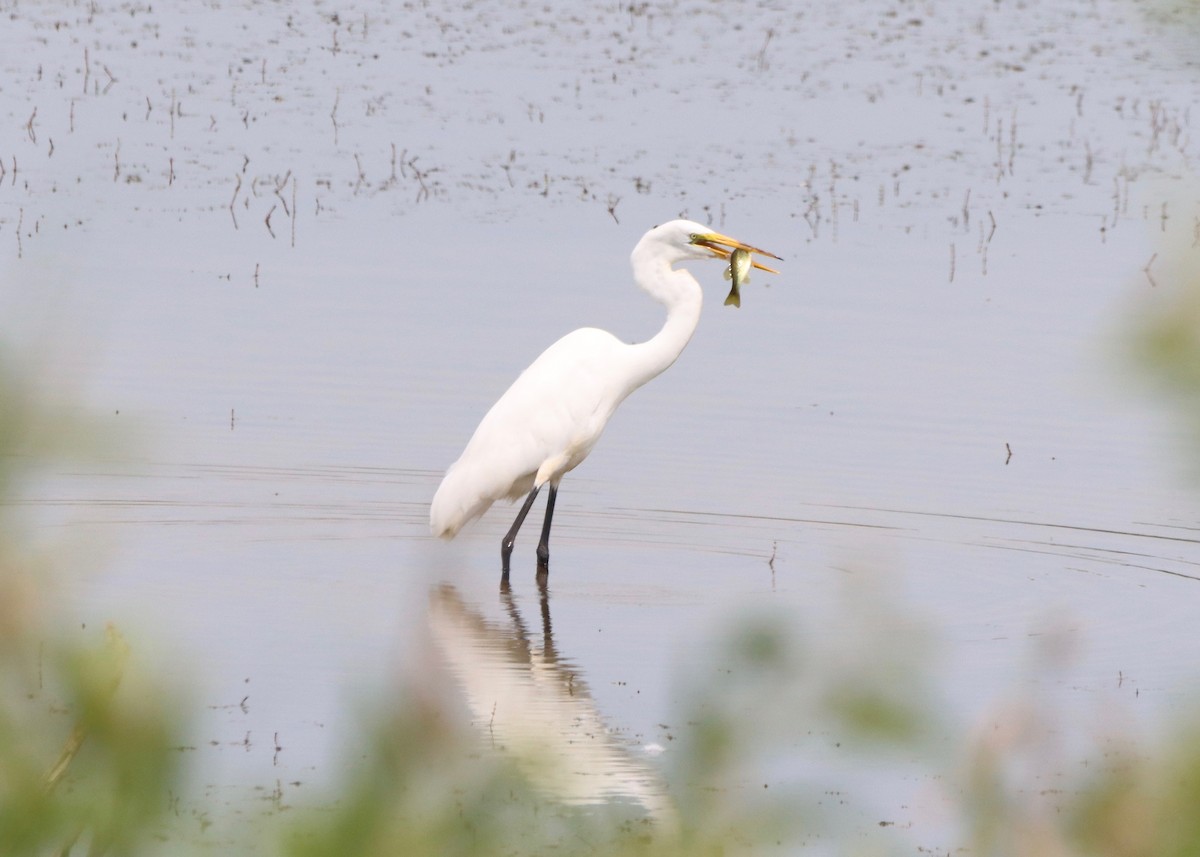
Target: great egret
550 418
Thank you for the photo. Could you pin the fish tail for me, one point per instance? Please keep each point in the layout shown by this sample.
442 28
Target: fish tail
734 299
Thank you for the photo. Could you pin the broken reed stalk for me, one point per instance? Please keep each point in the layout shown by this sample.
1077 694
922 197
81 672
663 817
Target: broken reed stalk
236 190
69 751
293 211
119 649
333 115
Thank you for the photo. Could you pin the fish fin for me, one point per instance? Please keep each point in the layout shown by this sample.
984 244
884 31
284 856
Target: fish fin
728 273
734 299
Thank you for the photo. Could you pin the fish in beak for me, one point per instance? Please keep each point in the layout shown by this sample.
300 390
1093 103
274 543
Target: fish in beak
740 258
722 246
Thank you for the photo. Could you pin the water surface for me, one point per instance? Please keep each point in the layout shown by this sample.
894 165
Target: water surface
291 257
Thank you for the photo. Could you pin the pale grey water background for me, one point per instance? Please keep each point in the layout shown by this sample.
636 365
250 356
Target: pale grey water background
851 420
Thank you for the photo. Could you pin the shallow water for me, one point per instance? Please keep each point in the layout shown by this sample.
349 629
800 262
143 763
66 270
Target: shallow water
290 257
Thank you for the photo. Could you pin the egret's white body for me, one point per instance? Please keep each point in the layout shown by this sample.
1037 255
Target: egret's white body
547 422
531 437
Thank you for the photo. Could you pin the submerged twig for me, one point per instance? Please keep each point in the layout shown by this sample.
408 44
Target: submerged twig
279 186
233 201
761 58
362 176
333 115
293 211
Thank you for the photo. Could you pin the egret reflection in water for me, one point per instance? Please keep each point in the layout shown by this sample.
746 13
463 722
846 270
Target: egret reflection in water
529 702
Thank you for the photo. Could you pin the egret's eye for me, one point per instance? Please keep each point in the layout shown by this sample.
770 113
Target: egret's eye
693 238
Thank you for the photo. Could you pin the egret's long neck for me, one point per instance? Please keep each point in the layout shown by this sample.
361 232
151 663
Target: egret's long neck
679 292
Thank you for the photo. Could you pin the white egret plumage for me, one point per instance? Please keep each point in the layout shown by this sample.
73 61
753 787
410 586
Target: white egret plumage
551 417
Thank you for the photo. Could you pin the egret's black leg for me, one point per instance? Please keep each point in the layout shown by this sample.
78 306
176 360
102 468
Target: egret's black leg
506 546
543 548
548 651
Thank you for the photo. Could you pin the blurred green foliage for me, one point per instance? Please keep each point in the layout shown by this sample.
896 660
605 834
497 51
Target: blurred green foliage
1144 806
85 735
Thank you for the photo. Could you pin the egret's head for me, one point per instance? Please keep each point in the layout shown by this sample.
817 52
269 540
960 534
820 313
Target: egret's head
680 240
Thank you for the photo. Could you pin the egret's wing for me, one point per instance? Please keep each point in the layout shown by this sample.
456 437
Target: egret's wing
550 417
